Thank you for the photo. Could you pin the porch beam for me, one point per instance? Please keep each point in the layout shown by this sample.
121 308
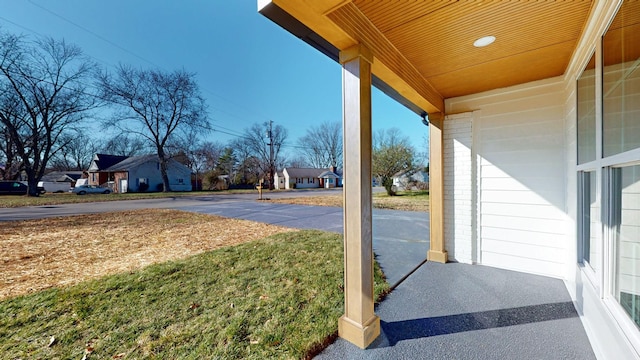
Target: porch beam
342 25
437 251
359 325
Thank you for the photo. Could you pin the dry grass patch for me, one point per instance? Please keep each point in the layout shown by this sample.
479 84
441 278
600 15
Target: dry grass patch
39 254
327 200
12 201
405 201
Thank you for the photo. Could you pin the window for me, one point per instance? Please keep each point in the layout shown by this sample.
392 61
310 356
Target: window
586 94
180 181
619 167
621 82
625 206
590 228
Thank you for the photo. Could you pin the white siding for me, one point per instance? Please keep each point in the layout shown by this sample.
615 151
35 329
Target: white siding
458 192
629 267
520 147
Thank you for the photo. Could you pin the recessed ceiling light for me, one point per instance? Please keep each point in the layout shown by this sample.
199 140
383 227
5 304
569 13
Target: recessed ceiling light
484 41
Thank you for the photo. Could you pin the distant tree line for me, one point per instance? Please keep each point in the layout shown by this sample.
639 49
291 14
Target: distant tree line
51 95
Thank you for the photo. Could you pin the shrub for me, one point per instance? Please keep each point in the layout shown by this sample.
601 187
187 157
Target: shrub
420 185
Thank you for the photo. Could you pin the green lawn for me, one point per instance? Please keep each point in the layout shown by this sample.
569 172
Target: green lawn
279 297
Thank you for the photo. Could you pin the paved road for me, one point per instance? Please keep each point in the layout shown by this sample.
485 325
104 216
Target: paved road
39 212
400 238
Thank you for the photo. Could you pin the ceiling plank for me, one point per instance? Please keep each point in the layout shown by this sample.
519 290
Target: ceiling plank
357 25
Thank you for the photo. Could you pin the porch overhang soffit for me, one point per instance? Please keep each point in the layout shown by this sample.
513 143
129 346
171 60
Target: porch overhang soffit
335 25
423 50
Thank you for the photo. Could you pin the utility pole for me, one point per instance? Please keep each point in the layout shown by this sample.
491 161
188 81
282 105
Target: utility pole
271 165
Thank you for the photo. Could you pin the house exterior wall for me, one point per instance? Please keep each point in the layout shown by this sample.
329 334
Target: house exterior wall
279 181
287 179
179 177
519 181
458 191
306 183
151 172
329 182
116 181
98 178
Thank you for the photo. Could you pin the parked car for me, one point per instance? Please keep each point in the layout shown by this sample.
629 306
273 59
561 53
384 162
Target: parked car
17 188
13 188
90 189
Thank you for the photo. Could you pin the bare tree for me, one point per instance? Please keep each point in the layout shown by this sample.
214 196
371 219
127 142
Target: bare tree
298 162
158 106
249 167
76 153
124 144
392 153
264 145
322 145
10 164
203 157
422 155
43 95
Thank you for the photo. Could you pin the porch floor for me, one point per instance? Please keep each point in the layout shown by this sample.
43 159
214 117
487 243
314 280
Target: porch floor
460 311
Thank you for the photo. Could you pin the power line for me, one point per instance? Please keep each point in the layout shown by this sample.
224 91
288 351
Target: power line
215 128
112 43
94 34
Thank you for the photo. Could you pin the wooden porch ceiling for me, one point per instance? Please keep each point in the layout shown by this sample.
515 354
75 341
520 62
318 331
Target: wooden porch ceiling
424 50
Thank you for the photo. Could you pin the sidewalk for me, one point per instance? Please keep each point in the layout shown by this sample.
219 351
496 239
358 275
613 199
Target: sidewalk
459 311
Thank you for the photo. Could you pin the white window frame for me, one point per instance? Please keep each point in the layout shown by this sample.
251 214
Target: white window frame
603 279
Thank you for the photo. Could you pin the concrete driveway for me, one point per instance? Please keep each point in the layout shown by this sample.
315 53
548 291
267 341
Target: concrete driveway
400 238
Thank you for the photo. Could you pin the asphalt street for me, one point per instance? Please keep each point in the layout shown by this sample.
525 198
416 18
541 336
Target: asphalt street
400 238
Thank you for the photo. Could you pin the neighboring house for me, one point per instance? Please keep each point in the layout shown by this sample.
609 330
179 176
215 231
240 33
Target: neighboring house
63 176
301 178
279 180
137 173
534 141
305 178
60 181
328 179
405 180
97 169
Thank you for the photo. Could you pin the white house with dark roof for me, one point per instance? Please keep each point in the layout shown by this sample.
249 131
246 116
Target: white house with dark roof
306 178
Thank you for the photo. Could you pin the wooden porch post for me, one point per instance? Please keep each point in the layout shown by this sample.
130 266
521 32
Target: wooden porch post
437 251
359 325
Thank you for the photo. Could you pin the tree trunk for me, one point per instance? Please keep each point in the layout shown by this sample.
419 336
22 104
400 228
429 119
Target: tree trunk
164 170
32 183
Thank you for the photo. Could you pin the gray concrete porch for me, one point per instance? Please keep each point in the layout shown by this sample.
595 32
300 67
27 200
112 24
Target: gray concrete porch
459 311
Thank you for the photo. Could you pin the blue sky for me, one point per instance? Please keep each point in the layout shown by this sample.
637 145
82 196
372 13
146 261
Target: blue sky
248 68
